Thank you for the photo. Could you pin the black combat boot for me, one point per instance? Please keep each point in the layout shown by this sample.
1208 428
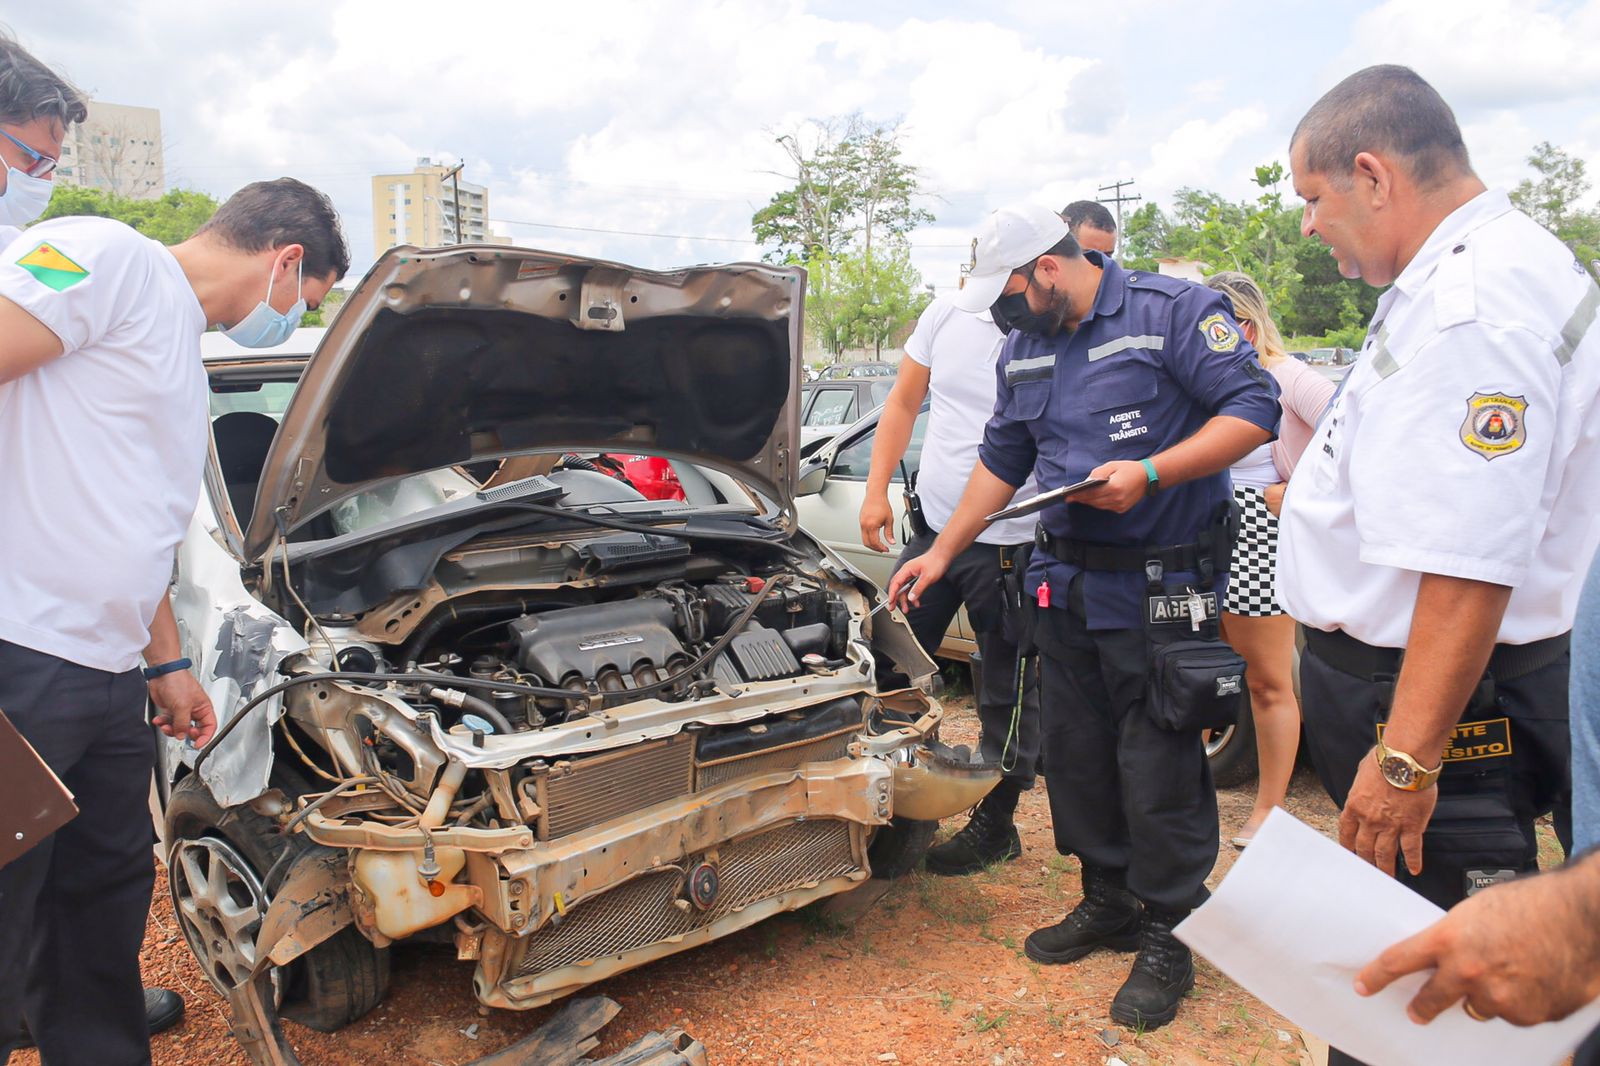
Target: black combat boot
163 1008
989 837
1161 975
1108 917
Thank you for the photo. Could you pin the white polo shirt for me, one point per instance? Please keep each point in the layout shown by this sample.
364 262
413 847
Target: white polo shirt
1465 442
101 449
960 350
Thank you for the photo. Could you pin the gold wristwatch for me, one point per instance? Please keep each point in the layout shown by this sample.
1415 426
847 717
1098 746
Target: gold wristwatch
1402 771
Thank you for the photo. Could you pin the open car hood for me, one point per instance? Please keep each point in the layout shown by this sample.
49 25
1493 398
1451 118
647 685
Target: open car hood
455 355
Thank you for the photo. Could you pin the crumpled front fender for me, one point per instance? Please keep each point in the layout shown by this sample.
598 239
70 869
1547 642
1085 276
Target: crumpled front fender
939 784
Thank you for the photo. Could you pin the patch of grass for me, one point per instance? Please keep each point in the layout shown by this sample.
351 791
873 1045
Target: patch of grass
1052 1019
954 899
819 923
866 946
957 679
903 963
984 1022
769 935
946 1000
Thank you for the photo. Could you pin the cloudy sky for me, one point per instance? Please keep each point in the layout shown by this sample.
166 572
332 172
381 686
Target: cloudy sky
659 118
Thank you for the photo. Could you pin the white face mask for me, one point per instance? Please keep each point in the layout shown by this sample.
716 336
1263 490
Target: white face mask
25 198
265 328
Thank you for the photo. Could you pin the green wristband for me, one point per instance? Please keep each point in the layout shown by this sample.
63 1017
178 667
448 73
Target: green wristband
1154 479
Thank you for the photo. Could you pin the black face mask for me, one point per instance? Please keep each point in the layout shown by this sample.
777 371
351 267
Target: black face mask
1012 312
1007 309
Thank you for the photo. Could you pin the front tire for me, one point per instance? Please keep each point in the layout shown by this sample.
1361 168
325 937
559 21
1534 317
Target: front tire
1232 751
216 861
898 848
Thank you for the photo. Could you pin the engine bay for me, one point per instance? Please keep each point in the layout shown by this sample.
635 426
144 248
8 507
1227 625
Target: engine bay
670 641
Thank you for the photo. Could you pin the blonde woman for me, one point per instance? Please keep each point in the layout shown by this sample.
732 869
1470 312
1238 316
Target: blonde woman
1252 621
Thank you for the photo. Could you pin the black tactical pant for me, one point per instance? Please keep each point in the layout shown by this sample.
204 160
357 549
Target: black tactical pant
73 908
1483 824
1124 794
974 580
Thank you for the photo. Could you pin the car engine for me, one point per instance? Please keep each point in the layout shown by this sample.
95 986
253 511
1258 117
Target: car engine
654 644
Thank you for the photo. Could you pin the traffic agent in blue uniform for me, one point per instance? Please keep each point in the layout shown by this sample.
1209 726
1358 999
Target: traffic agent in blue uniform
1145 382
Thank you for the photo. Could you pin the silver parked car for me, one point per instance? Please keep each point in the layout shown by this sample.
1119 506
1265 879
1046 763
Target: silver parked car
473 690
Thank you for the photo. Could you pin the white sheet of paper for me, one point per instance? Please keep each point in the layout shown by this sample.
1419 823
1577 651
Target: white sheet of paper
1298 917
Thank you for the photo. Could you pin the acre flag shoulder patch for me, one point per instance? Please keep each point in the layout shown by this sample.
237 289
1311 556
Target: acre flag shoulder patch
51 268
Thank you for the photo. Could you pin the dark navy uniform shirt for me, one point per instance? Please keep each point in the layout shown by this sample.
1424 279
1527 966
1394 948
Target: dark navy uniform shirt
1155 359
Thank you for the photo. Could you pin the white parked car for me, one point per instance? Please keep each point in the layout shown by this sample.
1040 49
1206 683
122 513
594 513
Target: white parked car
831 513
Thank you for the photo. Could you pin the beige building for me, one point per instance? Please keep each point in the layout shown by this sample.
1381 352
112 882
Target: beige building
117 149
419 208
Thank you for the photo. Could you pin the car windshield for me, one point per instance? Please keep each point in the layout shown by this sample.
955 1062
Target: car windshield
240 411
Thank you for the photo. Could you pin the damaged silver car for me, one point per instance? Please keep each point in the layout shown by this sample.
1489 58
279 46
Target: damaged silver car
475 689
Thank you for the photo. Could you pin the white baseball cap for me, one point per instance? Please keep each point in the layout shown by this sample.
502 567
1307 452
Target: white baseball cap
1012 237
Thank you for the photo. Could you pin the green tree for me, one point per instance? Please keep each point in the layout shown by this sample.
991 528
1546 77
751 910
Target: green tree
1261 238
1146 237
852 201
877 295
329 310
1554 200
170 218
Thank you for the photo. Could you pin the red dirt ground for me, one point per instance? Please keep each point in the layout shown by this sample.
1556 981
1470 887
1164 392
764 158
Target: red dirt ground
934 973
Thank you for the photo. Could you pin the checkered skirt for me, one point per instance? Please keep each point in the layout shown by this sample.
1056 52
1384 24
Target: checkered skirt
1255 554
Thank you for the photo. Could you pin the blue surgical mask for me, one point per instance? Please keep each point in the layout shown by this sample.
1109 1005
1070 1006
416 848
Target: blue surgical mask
264 327
25 198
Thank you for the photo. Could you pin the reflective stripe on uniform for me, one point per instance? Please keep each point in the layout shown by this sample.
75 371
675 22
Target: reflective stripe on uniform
1122 344
1035 369
1582 318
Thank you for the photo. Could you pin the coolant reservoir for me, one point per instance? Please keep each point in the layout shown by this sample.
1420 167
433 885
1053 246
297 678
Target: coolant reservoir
401 898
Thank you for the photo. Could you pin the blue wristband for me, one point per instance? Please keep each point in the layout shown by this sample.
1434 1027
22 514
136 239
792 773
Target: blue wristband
153 672
1152 479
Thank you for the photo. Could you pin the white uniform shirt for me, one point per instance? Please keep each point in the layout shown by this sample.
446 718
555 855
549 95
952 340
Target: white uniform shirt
1466 441
101 449
960 350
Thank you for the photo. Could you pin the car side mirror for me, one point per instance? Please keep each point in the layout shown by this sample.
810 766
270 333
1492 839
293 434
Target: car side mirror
812 477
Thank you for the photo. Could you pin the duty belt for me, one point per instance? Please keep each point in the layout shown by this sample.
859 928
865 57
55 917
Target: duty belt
1370 662
1212 549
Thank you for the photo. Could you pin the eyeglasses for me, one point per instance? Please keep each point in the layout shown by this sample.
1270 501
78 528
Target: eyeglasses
42 164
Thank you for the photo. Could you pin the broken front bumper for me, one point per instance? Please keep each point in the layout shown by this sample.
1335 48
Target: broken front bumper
740 844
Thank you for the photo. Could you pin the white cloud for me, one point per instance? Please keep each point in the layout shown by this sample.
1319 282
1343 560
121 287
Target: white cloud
660 118
1196 153
1486 53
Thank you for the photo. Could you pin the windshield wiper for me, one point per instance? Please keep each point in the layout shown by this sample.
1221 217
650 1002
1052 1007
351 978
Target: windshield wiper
604 522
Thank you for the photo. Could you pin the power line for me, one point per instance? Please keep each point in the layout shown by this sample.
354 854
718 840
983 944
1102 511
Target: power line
625 232
1118 199
665 236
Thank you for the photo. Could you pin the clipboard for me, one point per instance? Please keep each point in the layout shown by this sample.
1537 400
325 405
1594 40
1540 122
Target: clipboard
33 801
1044 499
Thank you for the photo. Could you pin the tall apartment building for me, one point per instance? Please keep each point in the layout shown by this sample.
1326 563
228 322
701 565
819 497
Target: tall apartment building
117 149
419 208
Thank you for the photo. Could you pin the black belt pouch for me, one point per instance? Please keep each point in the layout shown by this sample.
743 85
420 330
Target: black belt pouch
1195 684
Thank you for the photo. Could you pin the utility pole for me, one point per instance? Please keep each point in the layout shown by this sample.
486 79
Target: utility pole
455 186
1118 199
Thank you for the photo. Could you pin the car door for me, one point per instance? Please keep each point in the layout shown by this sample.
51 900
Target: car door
833 515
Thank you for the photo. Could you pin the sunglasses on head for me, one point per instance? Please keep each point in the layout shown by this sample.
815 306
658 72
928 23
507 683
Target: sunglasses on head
40 166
